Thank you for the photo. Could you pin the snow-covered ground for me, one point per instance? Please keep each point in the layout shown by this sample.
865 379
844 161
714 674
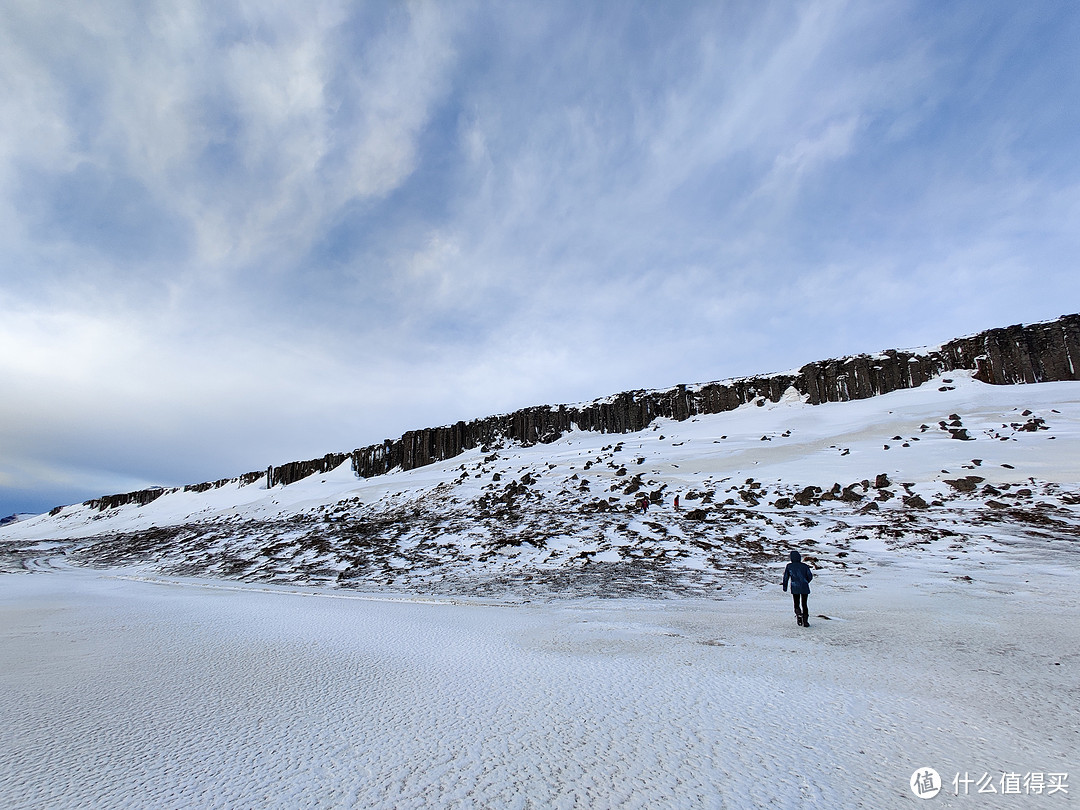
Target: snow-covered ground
125 693
506 629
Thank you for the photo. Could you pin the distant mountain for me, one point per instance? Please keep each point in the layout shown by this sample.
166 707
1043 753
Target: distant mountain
923 451
15 518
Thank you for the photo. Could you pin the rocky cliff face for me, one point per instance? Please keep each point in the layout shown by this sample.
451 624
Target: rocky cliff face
1042 352
1017 354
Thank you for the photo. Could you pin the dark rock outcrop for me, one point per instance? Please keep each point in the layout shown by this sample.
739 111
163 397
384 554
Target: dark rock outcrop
296 470
1041 352
141 497
1016 354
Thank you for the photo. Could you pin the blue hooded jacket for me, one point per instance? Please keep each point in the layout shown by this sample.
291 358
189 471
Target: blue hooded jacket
798 573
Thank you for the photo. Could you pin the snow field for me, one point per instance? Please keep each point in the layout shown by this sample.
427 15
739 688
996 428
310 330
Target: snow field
118 693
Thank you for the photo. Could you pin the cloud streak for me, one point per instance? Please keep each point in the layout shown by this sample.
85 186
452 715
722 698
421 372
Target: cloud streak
236 234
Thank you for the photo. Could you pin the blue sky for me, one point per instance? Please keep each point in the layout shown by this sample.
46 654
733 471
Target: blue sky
234 234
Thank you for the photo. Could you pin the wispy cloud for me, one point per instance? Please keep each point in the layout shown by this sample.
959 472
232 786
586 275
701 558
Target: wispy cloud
247 127
288 228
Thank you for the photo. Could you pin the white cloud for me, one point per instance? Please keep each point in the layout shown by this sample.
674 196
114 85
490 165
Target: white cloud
165 93
378 218
808 155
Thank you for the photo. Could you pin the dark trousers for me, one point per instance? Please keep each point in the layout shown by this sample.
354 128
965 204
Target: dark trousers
800 604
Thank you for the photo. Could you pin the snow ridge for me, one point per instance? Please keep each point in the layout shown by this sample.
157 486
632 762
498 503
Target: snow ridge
950 469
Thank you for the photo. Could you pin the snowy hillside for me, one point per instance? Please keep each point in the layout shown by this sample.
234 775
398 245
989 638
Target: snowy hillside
952 468
410 640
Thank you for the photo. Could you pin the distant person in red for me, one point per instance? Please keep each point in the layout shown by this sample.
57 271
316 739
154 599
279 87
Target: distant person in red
644 504
799 574
676 503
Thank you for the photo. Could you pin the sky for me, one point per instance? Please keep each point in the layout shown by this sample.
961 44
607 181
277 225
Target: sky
240 234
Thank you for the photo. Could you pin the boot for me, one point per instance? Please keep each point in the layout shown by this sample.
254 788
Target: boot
805 620
799 619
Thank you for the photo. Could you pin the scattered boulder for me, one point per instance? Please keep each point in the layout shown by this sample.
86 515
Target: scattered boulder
966 484
849 494
915 502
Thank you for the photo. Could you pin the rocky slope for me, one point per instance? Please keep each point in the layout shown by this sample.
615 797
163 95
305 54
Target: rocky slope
959 468
1042 352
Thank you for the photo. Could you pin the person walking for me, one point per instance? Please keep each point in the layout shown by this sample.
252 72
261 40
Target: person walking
799 575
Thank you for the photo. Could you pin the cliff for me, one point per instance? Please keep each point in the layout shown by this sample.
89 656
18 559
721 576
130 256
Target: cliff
1042 352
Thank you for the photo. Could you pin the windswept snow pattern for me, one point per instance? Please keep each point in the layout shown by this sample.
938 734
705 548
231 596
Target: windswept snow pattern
125 694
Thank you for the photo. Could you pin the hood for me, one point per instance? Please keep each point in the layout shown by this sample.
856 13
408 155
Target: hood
795 556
